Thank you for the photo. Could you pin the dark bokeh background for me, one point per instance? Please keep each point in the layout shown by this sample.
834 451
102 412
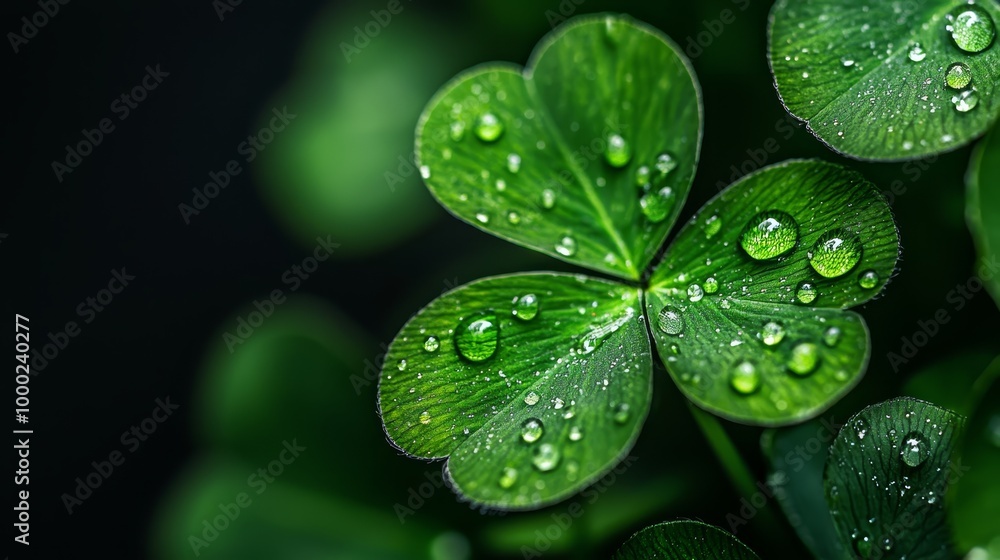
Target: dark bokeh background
161 336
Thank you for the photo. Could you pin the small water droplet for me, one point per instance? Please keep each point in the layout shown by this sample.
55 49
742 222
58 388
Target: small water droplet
482 217
531 399
695 292
513 163
868 279
575 434
425 172
525 307
835 253
401 366
508 478
711 285
642 176
743 378
488 127
832 336
915 450
665 163
477 337
917 53
971 28
501 185
769 235
425 417
432 344
806 292
670 320
621 413
546 457
657 206
618 152
804 358
712 225
958 75
531 430
965 101
772 333
457 130
513 218
566 246
548 199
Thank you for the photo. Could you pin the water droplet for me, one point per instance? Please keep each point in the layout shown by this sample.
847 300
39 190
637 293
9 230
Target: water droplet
772 333
548 199
711 285
621 413
806 292
566 246
488 127
958 75
513 218
618 152
482 217
526 307
665 163
695 292
769 235
971 28
546 457
531 430
917 53
657 206
670 320
575 434
744 378
425 172
531 399
513 163
457 130
868 279
501 185
863 546
835 253
804 358
432 344
832 336
642 176
613 29
401 366
915 449
508 478
425 417
712 225
965 101
477 336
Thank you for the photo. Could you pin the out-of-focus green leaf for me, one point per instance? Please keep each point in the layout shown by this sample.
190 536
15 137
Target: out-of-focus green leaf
683 540
983 209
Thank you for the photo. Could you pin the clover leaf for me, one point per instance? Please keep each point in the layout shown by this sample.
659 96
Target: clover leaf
534 385
888 80
681 540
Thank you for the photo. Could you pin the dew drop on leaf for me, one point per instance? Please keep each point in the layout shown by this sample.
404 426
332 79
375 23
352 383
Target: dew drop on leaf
525 307
806 292
575 434
566 246
769 235
531 399
743 378
804 358
695 292
425 417
457 131
915 449
832 336
958 75
917 53
665 163
546 457
712 225
868 279
711 285
670 320
513 163
657 206
531 430
642 176
508 477
488 127
477 337
432 344
772 333
548 199
618 153
835 253
401 365
965 101
971 28
513 218
621 413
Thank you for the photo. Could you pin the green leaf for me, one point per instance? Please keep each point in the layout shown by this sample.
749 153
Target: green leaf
739 335
983 207
683 540
530 155
533 384
886 477
974 499
868 78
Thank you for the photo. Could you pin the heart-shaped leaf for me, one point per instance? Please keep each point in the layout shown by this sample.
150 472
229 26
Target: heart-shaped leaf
683 540
983 207
886 477
746 306
533 385
974 499
586 155
888 80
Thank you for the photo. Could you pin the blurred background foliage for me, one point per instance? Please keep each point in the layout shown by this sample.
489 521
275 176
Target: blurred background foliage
308 372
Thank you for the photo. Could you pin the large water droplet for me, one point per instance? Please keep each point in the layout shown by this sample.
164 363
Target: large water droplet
575 434
432 344
743 378
546 457
695 292
508 477
566 246
772 333
513 163
488 127
804 358
769 235
618 152
965 101
832 336
621 413
835 253
711 285
868 279
531 430
958 75
531 399
806 292
477 337
425 417
971 28
670 320
525 307
665 163
657 206
915 450
548 199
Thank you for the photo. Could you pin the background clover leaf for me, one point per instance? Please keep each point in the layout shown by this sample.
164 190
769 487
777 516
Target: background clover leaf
682 540
888 80
586 155
532 384
747 305
983 205
886 478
